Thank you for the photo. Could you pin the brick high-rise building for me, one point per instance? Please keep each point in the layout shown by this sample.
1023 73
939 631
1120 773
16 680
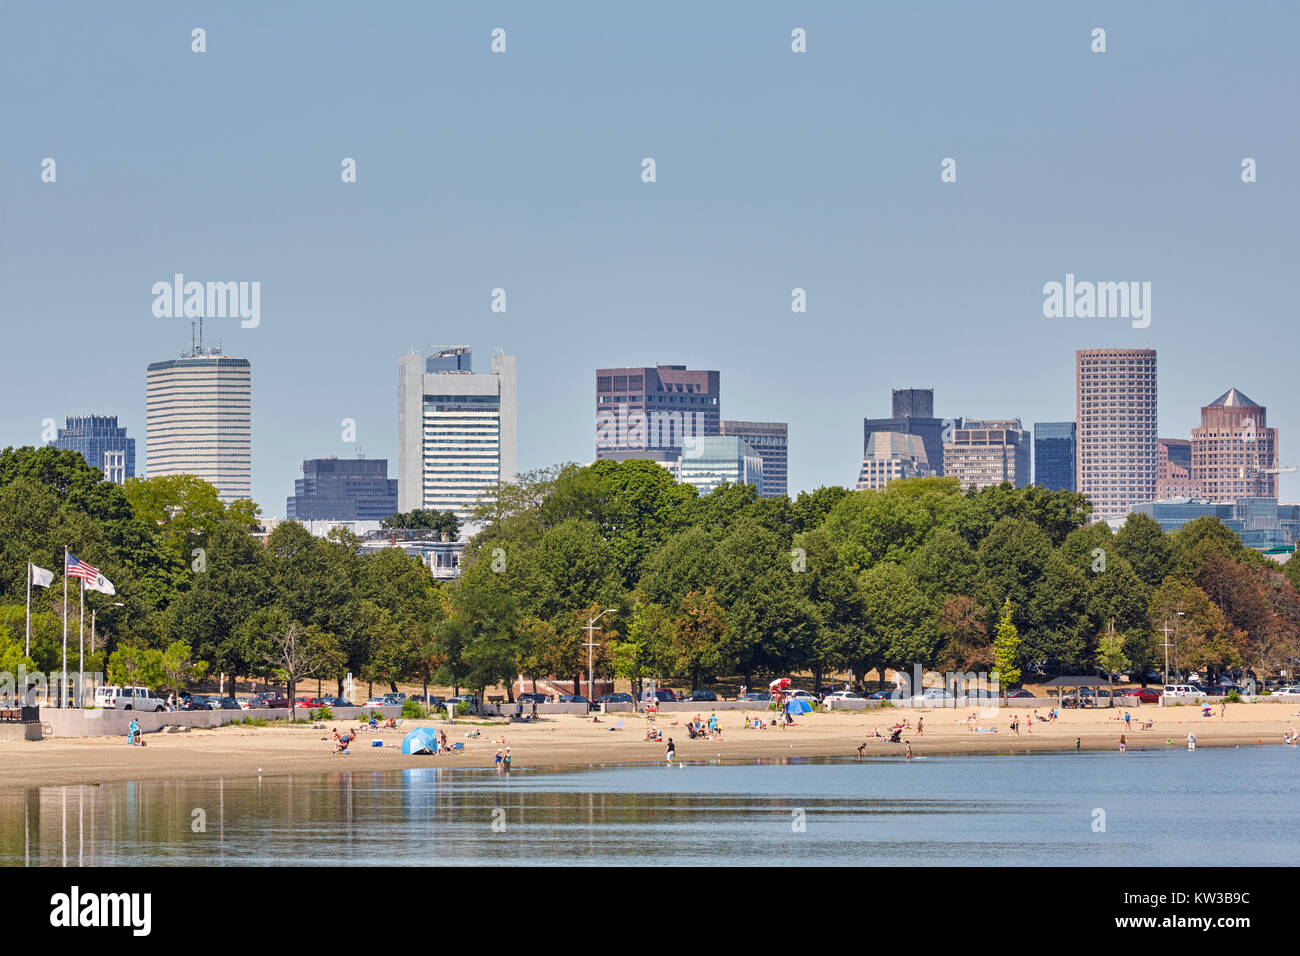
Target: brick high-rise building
647 411
1115 408
1174 470
1232 448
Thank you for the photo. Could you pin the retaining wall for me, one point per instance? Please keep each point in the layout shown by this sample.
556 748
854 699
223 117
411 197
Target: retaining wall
69 722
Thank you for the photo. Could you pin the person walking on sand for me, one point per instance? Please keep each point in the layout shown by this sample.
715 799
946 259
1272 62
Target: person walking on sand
1223 708
1077 741
920 726
672 752
1128 718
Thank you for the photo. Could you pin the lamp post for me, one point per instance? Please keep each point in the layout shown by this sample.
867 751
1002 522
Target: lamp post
591 651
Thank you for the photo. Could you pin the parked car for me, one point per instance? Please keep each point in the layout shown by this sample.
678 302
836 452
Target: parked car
756 695
129 697
701 695
245 701
933 693
306 703
842 695
574 699
805 694
376 702
1021 693
661 694
269 699
1292 691
1182 690
225 703
530 697
195 703
881 695
615 699
1145 695
334 702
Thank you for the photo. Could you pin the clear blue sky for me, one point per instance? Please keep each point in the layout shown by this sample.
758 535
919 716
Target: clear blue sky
522 171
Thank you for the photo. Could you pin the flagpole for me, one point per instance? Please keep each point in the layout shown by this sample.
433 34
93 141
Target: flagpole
27 650
63 685
81 651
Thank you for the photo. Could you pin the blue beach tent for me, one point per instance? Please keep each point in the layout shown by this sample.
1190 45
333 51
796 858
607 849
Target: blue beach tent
797 705
421 740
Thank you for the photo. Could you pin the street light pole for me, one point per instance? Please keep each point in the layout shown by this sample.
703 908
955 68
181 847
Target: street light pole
591 651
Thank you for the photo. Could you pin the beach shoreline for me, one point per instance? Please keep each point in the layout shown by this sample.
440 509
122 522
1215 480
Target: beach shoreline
570 741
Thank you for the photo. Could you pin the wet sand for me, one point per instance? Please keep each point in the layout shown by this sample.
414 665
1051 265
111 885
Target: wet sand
564 741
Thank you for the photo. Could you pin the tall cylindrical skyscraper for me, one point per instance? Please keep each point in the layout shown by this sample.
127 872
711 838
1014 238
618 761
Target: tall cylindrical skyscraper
199 421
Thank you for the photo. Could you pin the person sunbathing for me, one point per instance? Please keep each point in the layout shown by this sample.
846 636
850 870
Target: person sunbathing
341 743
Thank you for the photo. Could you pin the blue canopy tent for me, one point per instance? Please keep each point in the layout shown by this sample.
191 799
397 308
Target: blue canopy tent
421 740
797 705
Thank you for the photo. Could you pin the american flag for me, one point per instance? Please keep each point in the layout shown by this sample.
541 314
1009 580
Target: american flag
80 569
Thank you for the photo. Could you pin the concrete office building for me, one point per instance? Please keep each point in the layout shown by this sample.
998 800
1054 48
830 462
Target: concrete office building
456 430
101 442
709 462
891 456
649 412
199 420
356 489
1115 407
770 440
1174 470
913 414
984 453
1054 455
1233 452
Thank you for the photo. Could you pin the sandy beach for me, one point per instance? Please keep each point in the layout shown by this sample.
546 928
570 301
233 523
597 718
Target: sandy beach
564 741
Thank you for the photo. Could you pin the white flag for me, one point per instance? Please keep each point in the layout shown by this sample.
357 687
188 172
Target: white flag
101 584
40 577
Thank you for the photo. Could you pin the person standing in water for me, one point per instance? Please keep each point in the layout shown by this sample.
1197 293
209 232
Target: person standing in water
672 752
909 750
1191 741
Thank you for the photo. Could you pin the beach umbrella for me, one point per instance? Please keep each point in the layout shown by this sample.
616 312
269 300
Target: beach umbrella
781 683
421 740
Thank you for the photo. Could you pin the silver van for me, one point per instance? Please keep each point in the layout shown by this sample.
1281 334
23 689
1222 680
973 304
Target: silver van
128 698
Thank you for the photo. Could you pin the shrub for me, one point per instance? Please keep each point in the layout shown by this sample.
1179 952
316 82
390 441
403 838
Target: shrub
323 713
1233 697
412 709
462 708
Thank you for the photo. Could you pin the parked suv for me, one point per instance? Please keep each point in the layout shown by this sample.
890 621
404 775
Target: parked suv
128 698
1182 690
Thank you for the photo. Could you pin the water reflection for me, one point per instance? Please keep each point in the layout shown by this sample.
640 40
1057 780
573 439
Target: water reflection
939 811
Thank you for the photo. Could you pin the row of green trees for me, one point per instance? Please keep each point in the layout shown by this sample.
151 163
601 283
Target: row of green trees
685 587
847 582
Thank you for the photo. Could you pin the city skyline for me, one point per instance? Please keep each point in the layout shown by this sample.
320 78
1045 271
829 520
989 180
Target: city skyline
908 279
352 450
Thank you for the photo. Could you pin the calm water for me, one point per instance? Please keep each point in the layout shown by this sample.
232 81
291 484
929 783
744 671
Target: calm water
1161 807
